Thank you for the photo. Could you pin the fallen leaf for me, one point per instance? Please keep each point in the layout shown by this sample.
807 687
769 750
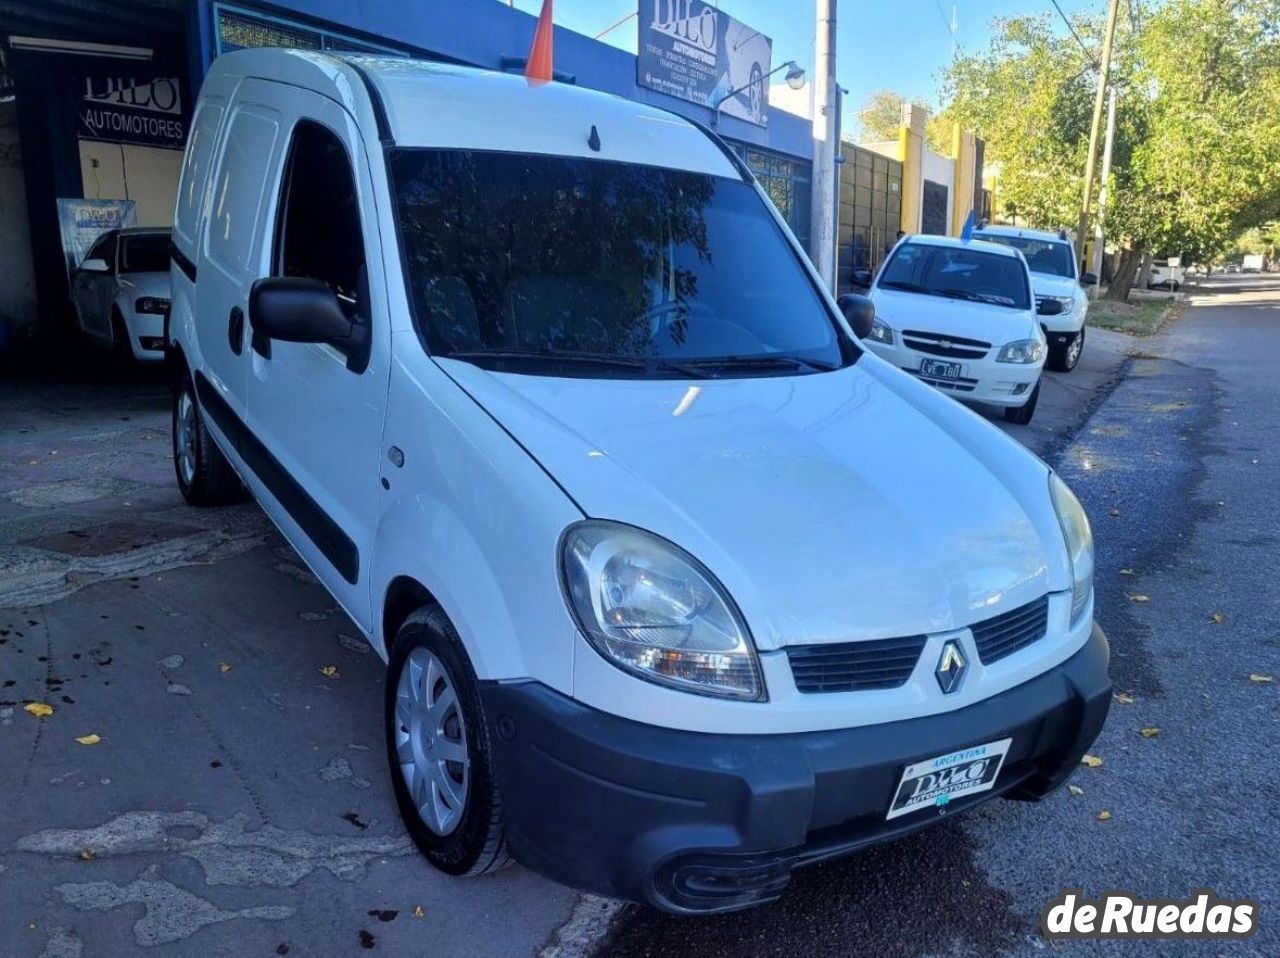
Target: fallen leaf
1123 699
1115 512
88 855
1151 731
1127 572
1216 618
1091 760
1254 677
418 912
91 739
329 671
38 709
1139 597
1104 816
1075 789
224 666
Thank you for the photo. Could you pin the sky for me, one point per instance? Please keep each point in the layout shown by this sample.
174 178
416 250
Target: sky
898 44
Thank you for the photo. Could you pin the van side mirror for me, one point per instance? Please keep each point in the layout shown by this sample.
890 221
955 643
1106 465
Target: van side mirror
1049 307
1088 279
859 311
95 265
295 310
862 278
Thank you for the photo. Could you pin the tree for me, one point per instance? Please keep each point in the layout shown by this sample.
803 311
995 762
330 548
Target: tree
881 115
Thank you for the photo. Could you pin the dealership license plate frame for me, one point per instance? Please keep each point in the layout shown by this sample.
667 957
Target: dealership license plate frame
959 781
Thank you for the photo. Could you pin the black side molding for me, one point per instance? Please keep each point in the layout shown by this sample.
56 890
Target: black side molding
183 263
336 545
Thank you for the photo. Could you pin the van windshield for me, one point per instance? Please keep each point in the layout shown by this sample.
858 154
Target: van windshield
574 267
957 272
1042 255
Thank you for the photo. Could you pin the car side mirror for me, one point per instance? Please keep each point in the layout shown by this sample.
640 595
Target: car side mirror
859 311
95 265
1088 279
861 277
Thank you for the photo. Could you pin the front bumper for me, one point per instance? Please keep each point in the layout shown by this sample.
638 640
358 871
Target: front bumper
692 822
146 335
980 381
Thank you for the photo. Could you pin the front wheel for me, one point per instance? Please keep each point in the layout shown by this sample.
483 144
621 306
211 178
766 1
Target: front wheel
1063 357
205 478
438 749
1021 415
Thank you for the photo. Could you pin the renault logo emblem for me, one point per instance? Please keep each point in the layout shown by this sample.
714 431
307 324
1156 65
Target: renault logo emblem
951 667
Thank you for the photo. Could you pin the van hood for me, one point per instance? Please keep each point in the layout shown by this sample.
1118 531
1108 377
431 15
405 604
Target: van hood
833 507
953 317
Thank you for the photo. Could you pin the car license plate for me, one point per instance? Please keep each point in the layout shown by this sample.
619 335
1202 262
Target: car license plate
940 370
934 783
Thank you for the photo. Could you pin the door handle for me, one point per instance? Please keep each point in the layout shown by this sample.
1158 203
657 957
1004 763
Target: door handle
235 330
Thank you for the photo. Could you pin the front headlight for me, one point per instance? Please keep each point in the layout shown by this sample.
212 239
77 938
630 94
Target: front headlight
881 332
1022 351
651 609
1079 539
151 304
1068 302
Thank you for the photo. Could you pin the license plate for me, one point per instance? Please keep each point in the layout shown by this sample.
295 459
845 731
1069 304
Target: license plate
940 370
936 782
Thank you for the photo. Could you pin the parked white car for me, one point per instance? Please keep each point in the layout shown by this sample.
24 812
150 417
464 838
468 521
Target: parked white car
1055 275
668 570
1167 274
120 292
960 316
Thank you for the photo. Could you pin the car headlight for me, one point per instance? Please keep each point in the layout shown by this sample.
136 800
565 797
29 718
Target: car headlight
1022 351
652 610
151 304
881 332
1068 302
1079 539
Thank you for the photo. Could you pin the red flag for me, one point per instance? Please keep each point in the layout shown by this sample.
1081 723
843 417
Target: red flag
538 67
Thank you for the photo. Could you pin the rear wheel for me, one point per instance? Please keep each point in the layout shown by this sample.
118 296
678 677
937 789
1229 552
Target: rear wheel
205 478
1022 414
438 749
1063 357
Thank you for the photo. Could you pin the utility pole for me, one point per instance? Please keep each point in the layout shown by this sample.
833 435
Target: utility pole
1098 236
823 232
1095 127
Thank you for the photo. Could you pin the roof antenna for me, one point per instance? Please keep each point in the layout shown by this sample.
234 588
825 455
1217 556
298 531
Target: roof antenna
593 140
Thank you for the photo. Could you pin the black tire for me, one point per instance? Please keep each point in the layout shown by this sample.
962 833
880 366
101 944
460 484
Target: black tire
1063 357
476 845
1021 415
209 480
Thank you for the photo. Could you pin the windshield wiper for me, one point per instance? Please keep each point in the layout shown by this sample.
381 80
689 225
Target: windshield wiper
762 361
902 285
973 297
637 363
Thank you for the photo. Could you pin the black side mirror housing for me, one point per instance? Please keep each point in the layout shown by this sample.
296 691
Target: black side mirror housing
862 278
859 311
1048 307
1088 279
296 310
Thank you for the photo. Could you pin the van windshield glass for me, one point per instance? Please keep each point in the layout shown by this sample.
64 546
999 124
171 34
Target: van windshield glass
957 272
574 267
1042 256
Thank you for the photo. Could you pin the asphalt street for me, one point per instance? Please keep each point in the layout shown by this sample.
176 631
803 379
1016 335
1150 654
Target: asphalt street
236 800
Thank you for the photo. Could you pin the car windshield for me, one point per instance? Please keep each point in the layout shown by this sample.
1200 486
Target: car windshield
957 272
145 254
575 267
1042 255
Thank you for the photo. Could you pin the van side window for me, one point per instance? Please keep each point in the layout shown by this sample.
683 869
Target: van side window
318 229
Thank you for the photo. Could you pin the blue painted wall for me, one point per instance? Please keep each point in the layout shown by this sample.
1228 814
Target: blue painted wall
482 32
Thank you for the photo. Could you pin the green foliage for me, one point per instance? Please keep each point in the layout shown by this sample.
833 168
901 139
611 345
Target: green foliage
881 115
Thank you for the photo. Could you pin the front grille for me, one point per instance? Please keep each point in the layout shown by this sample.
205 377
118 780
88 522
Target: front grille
960 385
1004 634
934 344
855 666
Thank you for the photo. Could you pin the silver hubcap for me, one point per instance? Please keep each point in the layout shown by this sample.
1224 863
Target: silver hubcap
1073 351
431 741
184 438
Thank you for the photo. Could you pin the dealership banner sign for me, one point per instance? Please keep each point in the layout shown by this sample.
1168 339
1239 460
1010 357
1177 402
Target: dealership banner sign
126 109
691 50
82 221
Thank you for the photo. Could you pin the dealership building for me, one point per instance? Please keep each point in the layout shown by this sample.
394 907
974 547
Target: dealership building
96 99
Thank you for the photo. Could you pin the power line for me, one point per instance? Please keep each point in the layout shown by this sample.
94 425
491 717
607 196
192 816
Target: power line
610 29
1091 57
